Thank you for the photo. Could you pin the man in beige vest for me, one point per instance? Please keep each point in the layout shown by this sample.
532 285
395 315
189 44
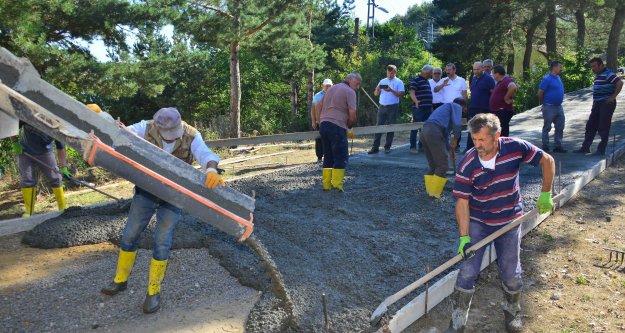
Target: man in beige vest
168 132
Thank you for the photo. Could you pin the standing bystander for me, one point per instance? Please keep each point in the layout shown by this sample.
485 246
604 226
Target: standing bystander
487 189
315 112
421 95
604 91
482 86
337 117
502 97
390 89
437 97
550 96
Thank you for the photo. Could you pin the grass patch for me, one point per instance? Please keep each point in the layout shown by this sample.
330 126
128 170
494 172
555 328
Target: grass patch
586 298
581 280
548 237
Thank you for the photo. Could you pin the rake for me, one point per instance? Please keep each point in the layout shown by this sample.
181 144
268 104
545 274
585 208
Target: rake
619 260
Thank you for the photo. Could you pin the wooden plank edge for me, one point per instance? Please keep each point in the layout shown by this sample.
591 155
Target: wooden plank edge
415 309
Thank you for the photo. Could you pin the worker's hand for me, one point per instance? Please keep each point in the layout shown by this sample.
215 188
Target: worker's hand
611 99
545 202
350 133
94 107
507 100
213 179
465 244
17 147
66 173
314 125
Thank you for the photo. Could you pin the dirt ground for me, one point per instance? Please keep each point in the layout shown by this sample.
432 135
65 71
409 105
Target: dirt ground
564 291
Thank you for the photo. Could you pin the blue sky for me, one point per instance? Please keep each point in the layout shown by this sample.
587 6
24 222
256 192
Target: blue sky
394 7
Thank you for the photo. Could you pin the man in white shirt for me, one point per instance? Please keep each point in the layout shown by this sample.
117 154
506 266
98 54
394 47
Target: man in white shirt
437 97
168 132
452 87
390 90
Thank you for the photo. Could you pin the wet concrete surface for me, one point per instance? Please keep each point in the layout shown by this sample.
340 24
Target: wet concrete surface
358 247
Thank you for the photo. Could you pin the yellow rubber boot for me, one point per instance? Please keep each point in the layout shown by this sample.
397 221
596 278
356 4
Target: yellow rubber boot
436 186
124 266
60 197
326 175
337 178
428 183
157 273
30 197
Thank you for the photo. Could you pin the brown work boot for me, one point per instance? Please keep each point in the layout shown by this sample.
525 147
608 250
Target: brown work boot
512 312
460 304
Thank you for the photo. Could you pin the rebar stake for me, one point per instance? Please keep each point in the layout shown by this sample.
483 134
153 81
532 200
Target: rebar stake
324 301
427 289
560 176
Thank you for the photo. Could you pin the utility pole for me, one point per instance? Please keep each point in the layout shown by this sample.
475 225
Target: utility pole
371 6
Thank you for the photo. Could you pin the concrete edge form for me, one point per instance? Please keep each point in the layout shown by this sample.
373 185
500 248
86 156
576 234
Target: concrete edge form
415 309
19 224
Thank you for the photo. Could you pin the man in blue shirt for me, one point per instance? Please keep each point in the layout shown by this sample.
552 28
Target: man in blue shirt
421 95
434 134
315 115
606 87
481 86
551 95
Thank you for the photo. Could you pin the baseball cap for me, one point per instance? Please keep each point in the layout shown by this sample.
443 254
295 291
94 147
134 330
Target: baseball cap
168 122
327 82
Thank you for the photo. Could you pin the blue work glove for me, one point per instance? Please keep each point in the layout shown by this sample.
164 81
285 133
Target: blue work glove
465 244
66 173
17 147
545 202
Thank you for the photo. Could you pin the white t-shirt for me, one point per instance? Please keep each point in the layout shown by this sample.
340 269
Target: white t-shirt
454 89
490 164
387 97
437 97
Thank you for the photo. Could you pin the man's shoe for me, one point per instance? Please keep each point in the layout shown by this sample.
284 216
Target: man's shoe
559 150
152 303
545 149
582 151
512 312
113 288
598 153
373 151
387 150
413 151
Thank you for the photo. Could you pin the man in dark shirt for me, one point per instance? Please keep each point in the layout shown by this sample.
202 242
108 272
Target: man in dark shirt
421 95
604 91
481 87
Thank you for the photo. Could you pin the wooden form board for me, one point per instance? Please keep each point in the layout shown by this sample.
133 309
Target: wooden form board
298 136
415 309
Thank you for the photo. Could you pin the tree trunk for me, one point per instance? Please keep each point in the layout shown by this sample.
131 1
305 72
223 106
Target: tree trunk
529 47
235 75
310 84
294 97
581 24
550 38
510 39
615 32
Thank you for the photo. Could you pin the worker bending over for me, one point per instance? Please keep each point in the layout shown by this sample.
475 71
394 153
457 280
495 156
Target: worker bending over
446 119
168 132
39 146
487 188
337 117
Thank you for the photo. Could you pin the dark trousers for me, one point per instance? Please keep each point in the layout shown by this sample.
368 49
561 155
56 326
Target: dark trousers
319 147
435 147
335 152
600 120
419 114
504 118
387 115
472 112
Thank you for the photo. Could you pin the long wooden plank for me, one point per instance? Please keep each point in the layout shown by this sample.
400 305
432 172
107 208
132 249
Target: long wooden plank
298 136
415 309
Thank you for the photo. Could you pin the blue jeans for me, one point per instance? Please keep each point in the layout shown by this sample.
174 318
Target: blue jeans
142 208
553 114
508 247
420 114
335 152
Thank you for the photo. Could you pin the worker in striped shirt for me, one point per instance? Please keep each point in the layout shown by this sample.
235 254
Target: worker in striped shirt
487 188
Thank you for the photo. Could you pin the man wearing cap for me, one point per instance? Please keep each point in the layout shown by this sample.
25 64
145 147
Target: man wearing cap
315 113
168 132
40 147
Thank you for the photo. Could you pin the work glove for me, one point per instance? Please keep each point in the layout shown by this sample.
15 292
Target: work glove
350 133
213 179
17 147
545 202
465 244
66 173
